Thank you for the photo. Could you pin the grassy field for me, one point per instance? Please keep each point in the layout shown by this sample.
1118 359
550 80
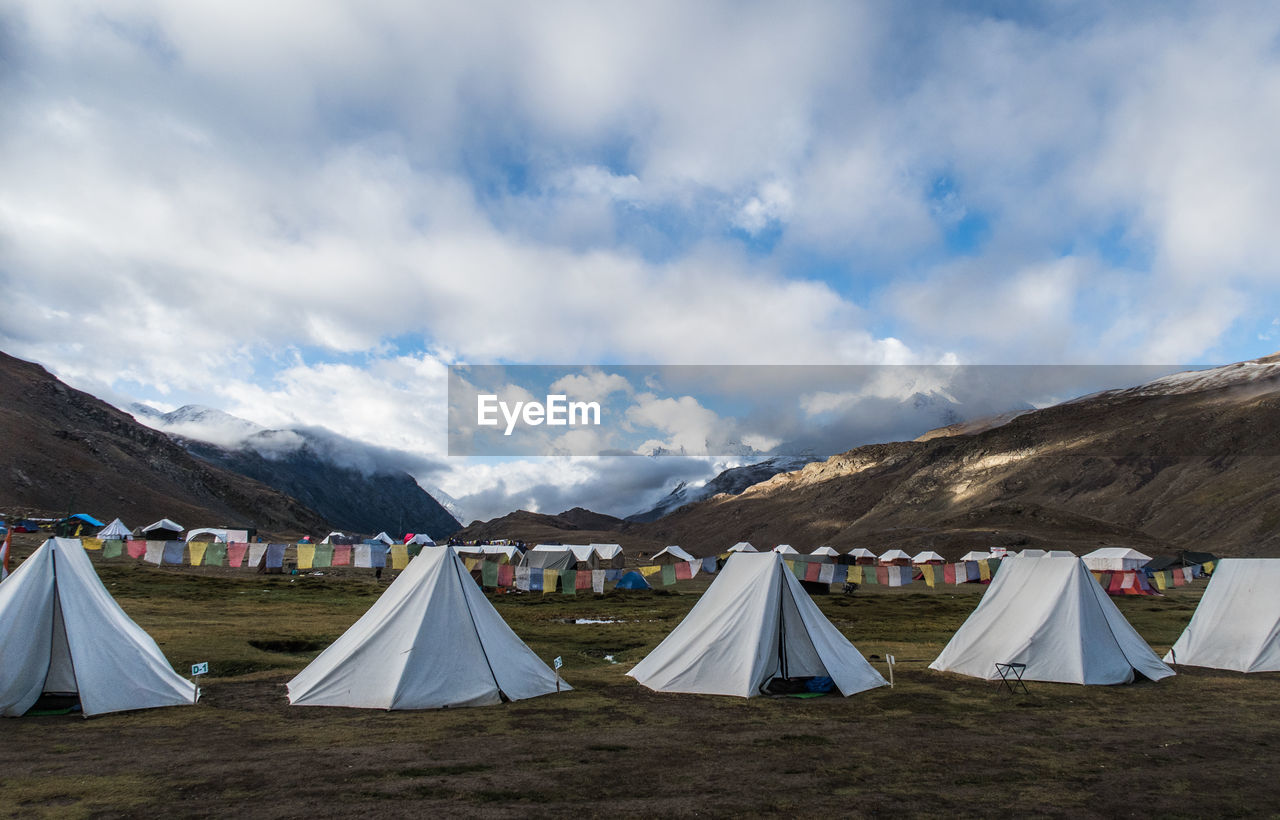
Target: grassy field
1201 743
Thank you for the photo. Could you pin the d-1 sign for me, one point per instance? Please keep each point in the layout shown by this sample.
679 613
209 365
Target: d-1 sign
557 411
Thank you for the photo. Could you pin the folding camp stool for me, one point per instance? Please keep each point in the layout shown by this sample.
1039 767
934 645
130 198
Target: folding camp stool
1011 676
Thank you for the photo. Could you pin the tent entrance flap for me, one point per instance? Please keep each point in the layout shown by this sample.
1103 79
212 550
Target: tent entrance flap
60 679
797 657
471 616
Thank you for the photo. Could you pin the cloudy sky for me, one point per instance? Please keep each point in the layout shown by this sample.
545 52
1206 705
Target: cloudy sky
303 212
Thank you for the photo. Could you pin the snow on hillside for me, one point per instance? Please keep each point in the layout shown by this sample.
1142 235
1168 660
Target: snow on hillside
1240 374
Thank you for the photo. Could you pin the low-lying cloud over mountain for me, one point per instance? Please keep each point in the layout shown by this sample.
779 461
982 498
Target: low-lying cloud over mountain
356 486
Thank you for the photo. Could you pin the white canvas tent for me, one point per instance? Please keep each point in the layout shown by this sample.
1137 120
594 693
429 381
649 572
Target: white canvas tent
61 632
592 556
116 530
754 623
609 553
328 539
975 555
742 546
829 552
161 528
894 555
432 640
507 551
672 555
384 538
1115 559
786 549
549 556
419 538
1237 622
1050 614
1039 553
218 534
861 552
927 557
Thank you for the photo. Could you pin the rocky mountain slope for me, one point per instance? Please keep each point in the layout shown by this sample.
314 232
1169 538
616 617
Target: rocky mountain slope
731 481
334 476
1187 461
351 500
64 450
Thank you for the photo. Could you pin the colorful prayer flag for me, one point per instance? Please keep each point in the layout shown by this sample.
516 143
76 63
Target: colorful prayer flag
341 555
549 579
112 548
306 555
198 549
400 559
323 556
235 553
668 575
91 543
488 571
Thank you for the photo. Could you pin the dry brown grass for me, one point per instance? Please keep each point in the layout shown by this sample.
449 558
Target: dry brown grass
1197 744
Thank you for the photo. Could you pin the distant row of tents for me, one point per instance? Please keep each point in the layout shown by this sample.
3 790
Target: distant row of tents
433 639
1105 559
169 530
597 556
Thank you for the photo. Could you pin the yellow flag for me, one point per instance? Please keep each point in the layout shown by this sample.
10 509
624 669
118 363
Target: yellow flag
197 552
984 571
306 556
549 578
647 571
399 556
91 543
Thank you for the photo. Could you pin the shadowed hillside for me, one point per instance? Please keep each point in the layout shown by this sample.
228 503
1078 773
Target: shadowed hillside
1188 461
64 451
